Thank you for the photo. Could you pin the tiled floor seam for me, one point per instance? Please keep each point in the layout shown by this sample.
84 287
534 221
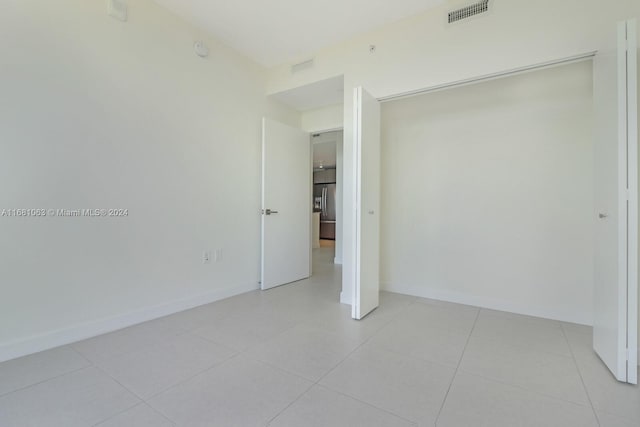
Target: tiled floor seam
584 386
119 383
446 395
367 403
290 403
146 400
317 383
44 381
250 346
611 414
133 407
528 390
522 347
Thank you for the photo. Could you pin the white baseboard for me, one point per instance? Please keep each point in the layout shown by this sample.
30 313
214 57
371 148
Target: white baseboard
490 303
344 300
64 336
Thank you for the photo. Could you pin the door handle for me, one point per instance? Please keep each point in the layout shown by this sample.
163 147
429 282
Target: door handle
602 215
269 212
325 192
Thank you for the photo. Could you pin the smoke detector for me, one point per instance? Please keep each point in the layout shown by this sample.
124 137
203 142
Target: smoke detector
201 49
117 9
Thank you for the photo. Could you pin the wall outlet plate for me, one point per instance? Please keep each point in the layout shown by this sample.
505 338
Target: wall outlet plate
117 9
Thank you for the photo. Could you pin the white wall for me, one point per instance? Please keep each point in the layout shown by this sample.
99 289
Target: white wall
322 119
487 194
96 113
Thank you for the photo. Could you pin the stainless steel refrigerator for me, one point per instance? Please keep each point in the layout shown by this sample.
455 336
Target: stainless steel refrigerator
324 196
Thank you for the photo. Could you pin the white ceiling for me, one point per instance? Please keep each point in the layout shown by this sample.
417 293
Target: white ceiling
278 31
324 149
324 155
315 95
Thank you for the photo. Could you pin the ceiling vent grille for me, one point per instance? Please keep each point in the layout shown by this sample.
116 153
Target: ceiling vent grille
469 11
296 68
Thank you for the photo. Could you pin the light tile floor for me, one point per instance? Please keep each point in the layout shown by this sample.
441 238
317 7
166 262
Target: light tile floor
292 356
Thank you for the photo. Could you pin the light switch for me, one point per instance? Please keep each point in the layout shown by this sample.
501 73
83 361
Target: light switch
117 9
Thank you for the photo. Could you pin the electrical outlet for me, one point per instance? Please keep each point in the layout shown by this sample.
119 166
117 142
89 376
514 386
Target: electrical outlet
206 257
217 255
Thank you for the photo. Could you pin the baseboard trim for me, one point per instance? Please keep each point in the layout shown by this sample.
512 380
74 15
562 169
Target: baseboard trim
490 303
343 299
64 336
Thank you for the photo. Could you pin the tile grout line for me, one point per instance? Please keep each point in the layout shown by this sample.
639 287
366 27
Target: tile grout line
120 384
216 365
584 386
367 403
255 344
316 383
69 346
290 404
128 409
145 401
525 389
140 400
457 367
90 362
44 381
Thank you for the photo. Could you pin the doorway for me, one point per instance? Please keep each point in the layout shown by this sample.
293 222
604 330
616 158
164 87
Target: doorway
301 203
326 191
320 106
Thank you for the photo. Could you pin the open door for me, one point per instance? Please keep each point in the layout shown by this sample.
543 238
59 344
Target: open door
616 202
286 204
367 192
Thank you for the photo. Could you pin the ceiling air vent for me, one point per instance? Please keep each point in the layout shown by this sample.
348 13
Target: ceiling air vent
296 68
469 11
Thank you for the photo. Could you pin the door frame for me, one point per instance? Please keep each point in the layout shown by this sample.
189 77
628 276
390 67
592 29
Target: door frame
632 203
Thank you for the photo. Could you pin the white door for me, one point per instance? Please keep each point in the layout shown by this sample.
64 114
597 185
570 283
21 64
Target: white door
367 191
616 301
286 204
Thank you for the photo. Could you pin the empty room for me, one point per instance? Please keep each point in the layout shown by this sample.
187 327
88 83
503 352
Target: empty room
338 213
